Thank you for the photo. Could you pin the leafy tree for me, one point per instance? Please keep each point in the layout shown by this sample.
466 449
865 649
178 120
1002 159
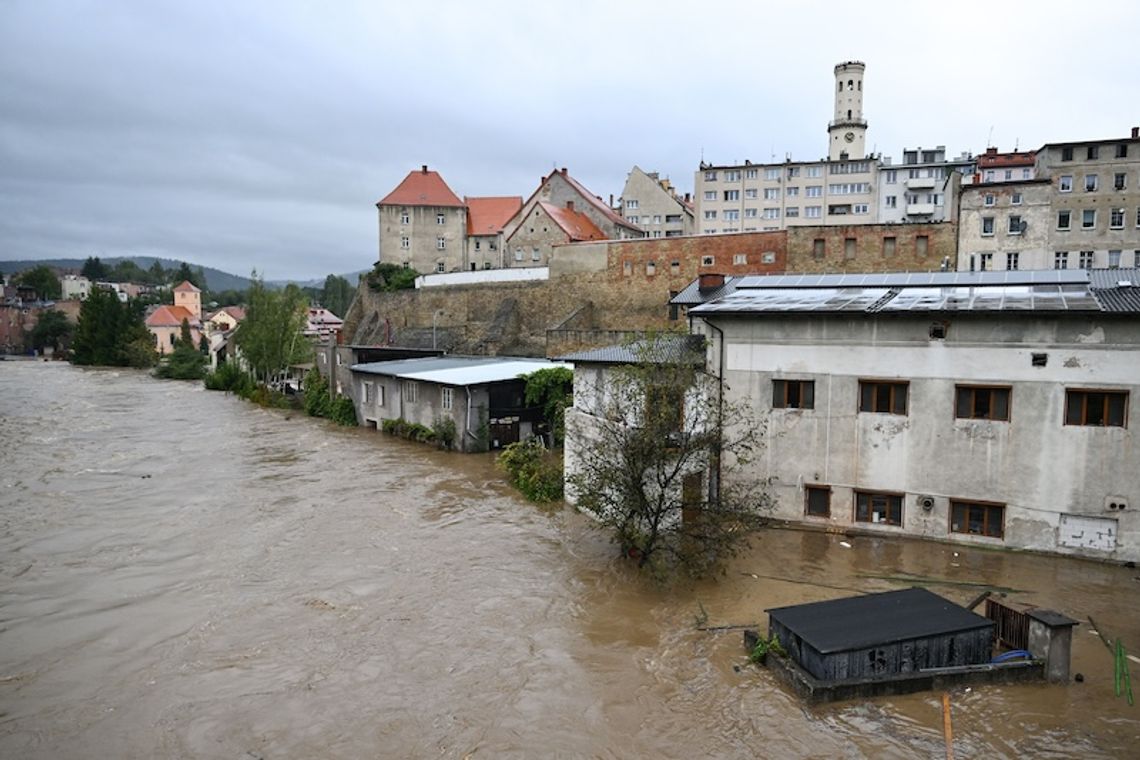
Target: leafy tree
270 336
386 277
111 333
52 329
44 280
228 297
185 362
553 390
654 463
94 269
337 295
126 270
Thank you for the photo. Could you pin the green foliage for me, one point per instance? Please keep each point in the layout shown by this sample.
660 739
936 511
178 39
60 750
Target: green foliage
764 647
412 431
482 430
444 431
111 333
263 395
230 378
270 336
337 295
228 297
317 400
536 472
185 274
94 269
386 277
44 280
51 329
645 461
186 362
343 412
553 390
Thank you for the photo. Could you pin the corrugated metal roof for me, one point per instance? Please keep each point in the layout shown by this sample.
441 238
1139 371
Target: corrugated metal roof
663 350
457 370
859 622
915 279
691 294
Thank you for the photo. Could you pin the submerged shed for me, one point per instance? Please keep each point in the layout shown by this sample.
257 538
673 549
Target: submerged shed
880 635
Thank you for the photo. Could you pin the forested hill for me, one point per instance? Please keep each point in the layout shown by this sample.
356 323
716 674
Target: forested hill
216 279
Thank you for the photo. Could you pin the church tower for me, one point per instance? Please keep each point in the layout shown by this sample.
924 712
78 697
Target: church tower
847 132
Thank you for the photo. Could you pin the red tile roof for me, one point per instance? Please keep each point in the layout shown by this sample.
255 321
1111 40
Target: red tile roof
186 285
486 216
594 200
171 316
991 159
421 188
574 223
237 312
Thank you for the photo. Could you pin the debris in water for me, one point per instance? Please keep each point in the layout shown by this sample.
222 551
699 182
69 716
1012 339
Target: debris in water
845 545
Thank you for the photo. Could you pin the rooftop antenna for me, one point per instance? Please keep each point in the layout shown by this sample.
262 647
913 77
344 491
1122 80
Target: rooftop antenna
990 137
1016 142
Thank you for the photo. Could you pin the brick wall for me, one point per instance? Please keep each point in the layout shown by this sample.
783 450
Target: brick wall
872 247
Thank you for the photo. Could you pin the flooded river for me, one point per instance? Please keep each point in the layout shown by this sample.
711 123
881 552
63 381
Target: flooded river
183 574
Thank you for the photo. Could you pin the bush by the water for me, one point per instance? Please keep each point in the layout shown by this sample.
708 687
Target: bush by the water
319 403
230 378
534 470
412 431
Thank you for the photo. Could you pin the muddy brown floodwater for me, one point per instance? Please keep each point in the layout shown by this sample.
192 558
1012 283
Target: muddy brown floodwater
183 574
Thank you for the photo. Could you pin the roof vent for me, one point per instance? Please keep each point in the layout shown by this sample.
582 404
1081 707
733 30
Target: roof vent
709 281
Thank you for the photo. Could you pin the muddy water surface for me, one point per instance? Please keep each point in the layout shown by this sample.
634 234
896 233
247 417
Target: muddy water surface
185 575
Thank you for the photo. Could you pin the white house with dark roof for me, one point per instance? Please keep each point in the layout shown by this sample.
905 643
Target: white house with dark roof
991 408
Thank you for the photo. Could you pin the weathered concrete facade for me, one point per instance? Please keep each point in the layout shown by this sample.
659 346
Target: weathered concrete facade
923 188
1005 225
651 203
423 225
872 247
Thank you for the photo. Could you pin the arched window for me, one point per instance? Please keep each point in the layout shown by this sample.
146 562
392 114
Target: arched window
850 85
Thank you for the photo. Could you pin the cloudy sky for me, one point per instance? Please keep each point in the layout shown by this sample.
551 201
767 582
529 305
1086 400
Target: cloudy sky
252 134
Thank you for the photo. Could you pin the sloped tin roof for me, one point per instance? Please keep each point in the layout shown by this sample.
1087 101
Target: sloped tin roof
458 370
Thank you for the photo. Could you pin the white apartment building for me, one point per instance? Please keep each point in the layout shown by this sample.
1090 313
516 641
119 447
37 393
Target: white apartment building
924 187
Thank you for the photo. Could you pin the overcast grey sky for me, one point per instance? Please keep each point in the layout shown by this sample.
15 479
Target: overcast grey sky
260 134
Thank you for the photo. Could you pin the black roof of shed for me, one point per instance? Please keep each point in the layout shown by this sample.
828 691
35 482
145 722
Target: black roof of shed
859 622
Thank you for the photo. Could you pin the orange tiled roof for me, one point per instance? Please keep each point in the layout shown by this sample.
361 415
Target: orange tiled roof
171 316
486 216
991 159
237 312
595 201
186 285
574 223
421 188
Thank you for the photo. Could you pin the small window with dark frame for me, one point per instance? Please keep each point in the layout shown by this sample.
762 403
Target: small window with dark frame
1096 408
793 394
882 508
977 519
980 402
817 501
882 396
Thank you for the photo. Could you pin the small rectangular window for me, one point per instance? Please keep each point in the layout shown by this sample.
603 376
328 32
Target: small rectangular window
440 219
882 396
978 402
977 519
1064 219
921 245
1096 408
410 391
818 248
882 508
889 246
817 501
793 394
445 398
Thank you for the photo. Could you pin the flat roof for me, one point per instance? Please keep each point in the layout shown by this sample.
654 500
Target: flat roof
859 622
457 370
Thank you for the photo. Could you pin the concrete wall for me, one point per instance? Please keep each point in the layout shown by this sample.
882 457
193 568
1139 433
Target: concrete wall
1057 482
531 242
979 250
872 250
423 232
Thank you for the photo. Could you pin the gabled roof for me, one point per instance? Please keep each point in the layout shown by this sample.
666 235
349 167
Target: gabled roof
487 215
186 286
237 312
665 349
574 223
171 316
595 201
421 188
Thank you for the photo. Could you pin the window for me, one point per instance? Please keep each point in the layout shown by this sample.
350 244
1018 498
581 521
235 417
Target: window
634 219
710 176
650 268
732 175
771 193
882 396
1090 183
793 172
440 267
849 248
792 192
410 390
751 193
405 242
367 395
793 394
440 219
792 211
813 171
445 398
380 395
977 519
978 402
1066 154
731 215
989 199
890 176
860 208
1025 173
710 215
1093 152
750 174
1096 408
1061 260
733 195
405 217
518 254
878 508
750 213
1015 199
989 175
817 501
813 191
892 201
476 245
1008 174
535 254
1119 181
890 244
1114 259
1086 260
771 213
818 248
739 258
631 203
1014 227
1122 150
987 225
710 195
1138 216
1116 219
440 243
707 261
1012 261
1064 219
1065 183
986 262
1088 219
813 212
771 174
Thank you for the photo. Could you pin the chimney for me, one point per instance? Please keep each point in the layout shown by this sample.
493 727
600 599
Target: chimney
708 281
991 151
1136 133
424 168
688 197
611 200
563 171
569 205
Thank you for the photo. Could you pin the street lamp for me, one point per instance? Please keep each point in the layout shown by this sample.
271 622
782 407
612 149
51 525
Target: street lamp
434 315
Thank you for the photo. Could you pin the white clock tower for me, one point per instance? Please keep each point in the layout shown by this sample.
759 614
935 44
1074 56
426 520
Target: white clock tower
847 132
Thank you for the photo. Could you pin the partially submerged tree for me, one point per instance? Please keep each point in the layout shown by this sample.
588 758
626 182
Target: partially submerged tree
186 362
52 329
652 460
270 336
553 390
111 333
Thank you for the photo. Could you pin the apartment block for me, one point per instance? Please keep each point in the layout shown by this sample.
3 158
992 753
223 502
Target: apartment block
924 187
652 204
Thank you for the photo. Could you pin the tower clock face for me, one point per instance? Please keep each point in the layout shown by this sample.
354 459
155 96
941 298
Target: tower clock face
849 137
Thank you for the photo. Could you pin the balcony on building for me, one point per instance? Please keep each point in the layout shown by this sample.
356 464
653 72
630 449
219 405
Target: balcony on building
920 183
847 123
919 209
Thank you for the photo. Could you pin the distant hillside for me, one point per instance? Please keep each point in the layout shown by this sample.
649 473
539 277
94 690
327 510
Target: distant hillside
216 279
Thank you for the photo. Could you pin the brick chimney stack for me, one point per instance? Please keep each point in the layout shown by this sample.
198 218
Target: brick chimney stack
1136 133
424 168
